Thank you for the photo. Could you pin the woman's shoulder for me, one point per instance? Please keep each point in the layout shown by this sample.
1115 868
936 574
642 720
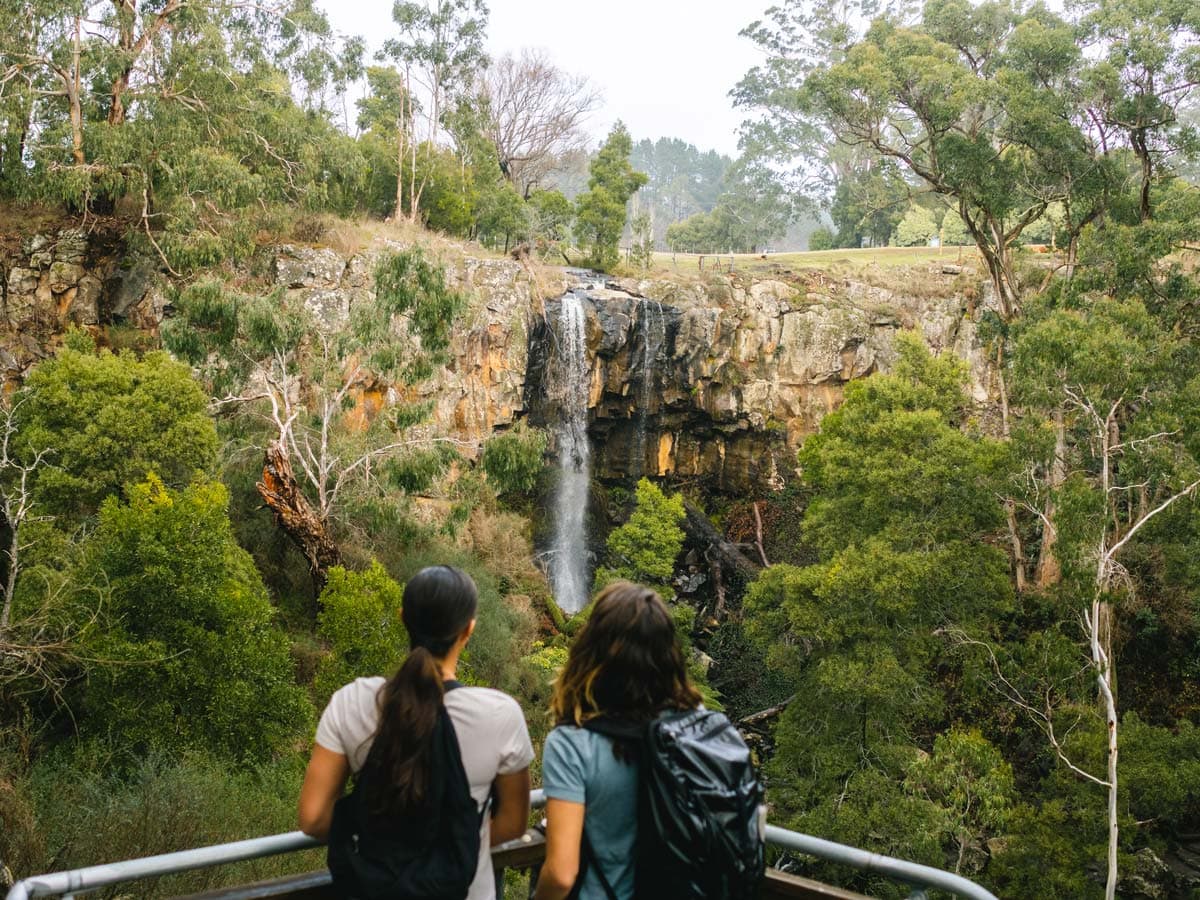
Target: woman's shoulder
360 691
575 737
482 699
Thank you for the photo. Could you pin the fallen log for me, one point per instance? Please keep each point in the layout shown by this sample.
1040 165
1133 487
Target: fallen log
700 528
765 715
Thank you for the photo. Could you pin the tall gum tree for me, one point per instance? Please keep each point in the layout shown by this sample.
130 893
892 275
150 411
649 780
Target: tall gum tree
439 48
948 100
194 111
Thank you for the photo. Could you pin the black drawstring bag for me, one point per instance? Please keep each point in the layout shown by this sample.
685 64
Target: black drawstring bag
433 856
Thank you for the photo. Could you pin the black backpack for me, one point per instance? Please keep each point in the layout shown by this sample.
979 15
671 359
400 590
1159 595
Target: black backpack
700 826
433 856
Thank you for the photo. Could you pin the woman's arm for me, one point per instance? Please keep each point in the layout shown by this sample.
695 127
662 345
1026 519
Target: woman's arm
324 782
512 807
564 832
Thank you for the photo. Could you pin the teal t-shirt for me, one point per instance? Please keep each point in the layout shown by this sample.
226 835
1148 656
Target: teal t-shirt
578 766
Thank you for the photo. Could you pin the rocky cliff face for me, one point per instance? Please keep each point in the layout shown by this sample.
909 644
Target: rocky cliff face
74 275
723 380
717 380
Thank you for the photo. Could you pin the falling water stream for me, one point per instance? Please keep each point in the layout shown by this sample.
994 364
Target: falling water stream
652 325
568 564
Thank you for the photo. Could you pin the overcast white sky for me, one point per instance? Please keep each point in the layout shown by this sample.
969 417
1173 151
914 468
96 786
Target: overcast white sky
665 67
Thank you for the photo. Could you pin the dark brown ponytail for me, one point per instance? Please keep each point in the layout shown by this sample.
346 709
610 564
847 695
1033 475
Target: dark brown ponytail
439 603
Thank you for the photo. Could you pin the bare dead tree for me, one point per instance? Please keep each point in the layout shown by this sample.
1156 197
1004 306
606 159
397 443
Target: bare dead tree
16 504
313 458
1111 576
537 112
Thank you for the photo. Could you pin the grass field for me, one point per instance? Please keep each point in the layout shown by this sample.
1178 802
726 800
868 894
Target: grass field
766 264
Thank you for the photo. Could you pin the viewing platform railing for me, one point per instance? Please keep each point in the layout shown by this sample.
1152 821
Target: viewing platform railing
525 852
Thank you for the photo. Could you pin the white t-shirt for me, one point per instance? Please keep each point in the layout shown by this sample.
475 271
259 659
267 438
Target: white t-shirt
492 737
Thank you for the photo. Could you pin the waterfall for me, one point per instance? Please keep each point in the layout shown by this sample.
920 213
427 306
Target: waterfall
568 567
652 325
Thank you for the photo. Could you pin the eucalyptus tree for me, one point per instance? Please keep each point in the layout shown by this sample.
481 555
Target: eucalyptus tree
799 37
439 49
1120 392
183 112
1147 73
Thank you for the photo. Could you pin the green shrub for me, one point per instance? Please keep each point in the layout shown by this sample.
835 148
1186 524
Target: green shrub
360 620
820 239
514 460
645 548
87 813
109 420
186 655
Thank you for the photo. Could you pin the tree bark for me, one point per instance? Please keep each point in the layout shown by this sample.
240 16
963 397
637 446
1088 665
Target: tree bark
1137 140
758 535
1018 551
997 256
10 573
74 90
297 516
1010 506
1048 569
127 21
399 213
1101 641
765 714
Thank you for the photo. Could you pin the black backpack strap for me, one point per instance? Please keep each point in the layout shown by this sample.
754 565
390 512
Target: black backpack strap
587 857
493 800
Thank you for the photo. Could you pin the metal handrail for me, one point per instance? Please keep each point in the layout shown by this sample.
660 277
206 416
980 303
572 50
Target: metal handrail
66 884
911 873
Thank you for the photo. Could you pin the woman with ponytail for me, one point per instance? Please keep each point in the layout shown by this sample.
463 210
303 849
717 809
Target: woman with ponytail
391 726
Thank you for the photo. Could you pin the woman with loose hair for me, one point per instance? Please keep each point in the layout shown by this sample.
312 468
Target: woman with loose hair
625 665
396 719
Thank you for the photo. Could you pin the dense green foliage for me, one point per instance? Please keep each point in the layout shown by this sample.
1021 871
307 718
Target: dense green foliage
902 510
71 810
197 118
110 419
141 654
645 547
360 623
969 562
1001 109
191 657
514 460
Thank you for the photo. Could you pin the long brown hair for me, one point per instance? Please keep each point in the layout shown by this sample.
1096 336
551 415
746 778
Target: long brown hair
626 662
439 603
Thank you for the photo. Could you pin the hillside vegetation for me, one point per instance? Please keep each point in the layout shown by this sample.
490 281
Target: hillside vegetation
974 637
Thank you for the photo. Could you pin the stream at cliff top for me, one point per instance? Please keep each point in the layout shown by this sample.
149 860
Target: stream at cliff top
569 563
